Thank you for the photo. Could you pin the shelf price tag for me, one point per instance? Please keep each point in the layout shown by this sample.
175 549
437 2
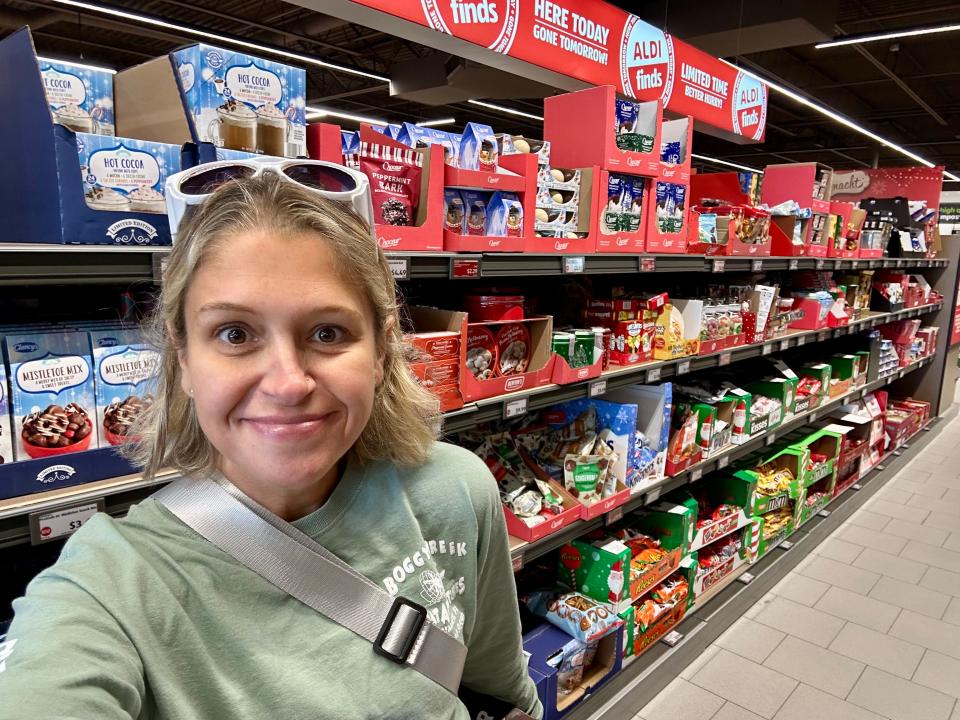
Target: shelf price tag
597 388
683 367
824 513
821 263
648 264
158 263
574 263
801 340
653 374
793 264
696 474
770 439
719 265
517 562
652 495
786 545
515 408
615 515
766 349
672 638
854 264
465 268
746 578
724 359
723 461
784 345
756 265
399 267
50 525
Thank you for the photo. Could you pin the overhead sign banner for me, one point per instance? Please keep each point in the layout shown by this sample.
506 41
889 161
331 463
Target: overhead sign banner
600 44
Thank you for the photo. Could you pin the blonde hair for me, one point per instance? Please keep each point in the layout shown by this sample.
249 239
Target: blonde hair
405 417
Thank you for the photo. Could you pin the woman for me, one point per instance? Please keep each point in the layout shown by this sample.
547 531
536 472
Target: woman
282 370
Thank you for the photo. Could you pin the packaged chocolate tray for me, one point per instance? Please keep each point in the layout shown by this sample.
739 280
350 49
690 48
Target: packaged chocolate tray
478 148
505 215
476 206
125 374
52 393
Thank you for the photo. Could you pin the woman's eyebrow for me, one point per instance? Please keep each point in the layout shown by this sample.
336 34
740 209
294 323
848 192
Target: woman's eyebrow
222 306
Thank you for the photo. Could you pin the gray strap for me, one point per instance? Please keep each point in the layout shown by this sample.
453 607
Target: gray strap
295 563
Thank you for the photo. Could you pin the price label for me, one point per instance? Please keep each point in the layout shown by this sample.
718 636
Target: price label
574 263
517 562
813 416
756 265
614 515
648 264
683 367
801 340
786 545
653 374
696 474
766 349
821 263
597 388
464 268
399 267
723 461
515 408
824 513
672 638
899 263
56 524
652 495
724 359
719 265
159 266
770 439
746 578
784 345
793 264
854 264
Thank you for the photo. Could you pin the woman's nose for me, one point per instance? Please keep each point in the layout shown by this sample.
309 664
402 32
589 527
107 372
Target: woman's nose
287 378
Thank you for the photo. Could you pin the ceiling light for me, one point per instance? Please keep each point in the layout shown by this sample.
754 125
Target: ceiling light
433 123
84 66
501 108
726 162
314 113
836 117
857 39
226 40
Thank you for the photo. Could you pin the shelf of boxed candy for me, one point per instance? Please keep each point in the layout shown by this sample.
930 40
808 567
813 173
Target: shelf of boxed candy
602 600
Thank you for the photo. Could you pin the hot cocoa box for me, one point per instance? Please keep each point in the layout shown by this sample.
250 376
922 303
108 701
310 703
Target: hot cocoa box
122 175
52 394
80 96
241 102
125 368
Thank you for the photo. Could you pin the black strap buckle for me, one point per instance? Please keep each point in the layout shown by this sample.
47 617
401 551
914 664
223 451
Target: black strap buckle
413 631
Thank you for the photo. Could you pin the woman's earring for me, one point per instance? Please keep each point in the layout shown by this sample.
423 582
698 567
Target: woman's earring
191 392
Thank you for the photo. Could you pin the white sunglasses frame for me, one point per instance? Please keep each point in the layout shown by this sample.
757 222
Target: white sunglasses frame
177 202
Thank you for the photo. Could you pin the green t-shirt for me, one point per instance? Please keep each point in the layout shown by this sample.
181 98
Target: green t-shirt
143 618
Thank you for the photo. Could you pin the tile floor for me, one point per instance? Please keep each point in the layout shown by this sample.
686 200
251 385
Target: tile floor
867 627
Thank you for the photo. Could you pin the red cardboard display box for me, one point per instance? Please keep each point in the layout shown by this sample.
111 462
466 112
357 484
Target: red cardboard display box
587 221
735 223
581 128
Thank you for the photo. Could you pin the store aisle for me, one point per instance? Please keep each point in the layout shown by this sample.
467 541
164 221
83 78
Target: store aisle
866 627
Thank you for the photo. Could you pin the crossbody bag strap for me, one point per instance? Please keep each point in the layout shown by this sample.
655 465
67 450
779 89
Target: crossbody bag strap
288 558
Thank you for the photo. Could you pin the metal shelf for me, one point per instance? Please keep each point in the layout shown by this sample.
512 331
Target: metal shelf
521 552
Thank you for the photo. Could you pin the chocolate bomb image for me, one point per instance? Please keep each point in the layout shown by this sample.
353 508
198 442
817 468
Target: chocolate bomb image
120 416
56 429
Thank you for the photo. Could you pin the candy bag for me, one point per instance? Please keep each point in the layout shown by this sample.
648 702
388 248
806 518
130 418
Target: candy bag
577 615
394 176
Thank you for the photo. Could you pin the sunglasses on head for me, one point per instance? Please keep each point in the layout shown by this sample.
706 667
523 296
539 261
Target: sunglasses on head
336 182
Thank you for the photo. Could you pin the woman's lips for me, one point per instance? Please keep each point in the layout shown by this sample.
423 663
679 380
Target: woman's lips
290 427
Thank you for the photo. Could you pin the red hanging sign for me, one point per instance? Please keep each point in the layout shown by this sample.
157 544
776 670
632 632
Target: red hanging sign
600 44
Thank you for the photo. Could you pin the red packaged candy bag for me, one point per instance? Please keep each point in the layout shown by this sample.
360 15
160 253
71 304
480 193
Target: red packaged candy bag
394 175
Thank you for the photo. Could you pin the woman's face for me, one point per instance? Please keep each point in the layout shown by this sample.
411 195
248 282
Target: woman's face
281 357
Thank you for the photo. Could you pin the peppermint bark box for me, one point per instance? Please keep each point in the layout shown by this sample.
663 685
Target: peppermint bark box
125 371
52 394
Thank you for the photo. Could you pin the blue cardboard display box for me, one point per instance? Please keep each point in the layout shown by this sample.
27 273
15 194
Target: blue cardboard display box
545 645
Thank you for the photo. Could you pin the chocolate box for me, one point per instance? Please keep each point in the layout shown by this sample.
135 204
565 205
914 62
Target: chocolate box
598 569
80 96
125 372
822 442
707 579
50 369
648 460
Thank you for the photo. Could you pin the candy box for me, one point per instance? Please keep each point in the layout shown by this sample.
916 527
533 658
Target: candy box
677 329
776 526
720 560
647 458
125 368
670 523
629 129
504 215
597 568
820 372
349 143
419 137
777 480
454 211
80 97
546 646
242 102
52 393
475 208
647 621
823 449
437 373
438 345
779 393
729 498
478 148
123 175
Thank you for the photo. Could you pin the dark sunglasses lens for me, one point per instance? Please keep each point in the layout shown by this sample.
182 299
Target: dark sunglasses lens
206 182
321 177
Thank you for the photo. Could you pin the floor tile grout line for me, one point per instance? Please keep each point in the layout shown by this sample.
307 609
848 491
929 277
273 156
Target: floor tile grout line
787 698
854 686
